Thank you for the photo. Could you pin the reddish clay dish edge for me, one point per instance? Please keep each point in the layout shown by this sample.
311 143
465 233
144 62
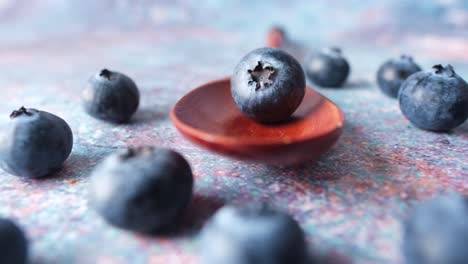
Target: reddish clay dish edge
287 149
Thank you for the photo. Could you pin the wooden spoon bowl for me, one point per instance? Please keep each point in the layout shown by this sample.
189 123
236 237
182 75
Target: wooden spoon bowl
209 117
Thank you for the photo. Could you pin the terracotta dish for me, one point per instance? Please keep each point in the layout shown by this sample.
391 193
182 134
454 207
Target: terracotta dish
209 117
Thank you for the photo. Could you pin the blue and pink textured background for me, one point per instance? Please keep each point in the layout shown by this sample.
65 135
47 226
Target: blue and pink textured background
349 202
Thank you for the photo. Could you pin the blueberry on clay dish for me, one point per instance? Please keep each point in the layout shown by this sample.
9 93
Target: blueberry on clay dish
394 72
253 234
436 231
111 96
141 189
435 100
268 85
327 68
13 243
34 143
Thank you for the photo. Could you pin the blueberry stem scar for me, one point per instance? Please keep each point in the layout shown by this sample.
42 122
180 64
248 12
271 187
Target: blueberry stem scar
261 75
406 57
447 71
21 111
105 73
336 50
136 151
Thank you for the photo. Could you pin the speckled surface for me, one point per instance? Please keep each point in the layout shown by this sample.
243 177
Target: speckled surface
349 202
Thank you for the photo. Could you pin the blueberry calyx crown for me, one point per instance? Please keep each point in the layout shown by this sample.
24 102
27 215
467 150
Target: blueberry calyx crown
105 73
136 151
335 50
447 71
19 112
261 75
332 51
256 209
406 57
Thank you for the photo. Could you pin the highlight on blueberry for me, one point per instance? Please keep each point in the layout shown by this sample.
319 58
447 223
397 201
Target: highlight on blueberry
111 96
268 85
435 100
141 189
394 72
437 231
327 68
34 143
13 243
254 234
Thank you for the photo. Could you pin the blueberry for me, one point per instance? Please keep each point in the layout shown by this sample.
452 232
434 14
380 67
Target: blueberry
268 85
111 96
13 243
436 101
34 143
437 232
394 72
327 68
141 189
255 234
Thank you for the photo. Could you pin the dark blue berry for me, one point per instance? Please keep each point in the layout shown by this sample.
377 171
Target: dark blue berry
268 85
394 72
34 143
256 234
436 101
327 68
437 232
111 96
141 189
13 243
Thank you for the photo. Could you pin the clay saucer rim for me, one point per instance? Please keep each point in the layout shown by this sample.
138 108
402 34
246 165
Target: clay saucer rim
237 141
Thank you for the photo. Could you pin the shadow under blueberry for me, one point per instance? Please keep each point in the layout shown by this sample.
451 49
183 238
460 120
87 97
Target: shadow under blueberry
462 130
200 209
148 115
76 164
37 260
357 84
332 257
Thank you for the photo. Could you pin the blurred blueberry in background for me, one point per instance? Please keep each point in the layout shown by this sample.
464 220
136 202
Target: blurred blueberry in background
440 25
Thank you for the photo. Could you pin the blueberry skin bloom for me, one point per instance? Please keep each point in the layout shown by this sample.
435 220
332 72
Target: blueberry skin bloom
141 189
436 101
34 143
394 72
437 232
327 68
111 96
268 85
13 243
256 234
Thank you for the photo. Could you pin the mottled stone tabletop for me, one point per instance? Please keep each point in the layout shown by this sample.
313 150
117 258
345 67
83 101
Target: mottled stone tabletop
349 202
